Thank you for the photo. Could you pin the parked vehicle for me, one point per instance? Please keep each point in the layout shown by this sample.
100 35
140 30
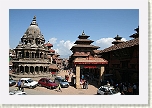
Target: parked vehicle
17 93
28 82
45 82
107 90
62 81
11 82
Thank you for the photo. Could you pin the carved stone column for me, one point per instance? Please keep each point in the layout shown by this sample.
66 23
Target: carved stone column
102 68
78 86
39 70
47 69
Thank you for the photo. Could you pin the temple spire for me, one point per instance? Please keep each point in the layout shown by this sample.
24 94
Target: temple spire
118 37
135 35
117 40
34 21
83 33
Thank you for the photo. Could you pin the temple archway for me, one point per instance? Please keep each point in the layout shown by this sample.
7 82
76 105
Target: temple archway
45 69
41 69
32 69
22 69
27 54
27 69
36 69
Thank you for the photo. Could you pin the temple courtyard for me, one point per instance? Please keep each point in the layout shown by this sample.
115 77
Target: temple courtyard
71 90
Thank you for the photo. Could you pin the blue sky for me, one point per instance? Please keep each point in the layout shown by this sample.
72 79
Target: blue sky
62 26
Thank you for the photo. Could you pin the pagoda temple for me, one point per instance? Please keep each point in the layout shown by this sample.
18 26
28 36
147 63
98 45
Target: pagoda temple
33 55
84 60
117 40
83 46
135 35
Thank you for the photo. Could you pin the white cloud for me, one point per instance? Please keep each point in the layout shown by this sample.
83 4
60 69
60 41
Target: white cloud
106 42
63 48
53 40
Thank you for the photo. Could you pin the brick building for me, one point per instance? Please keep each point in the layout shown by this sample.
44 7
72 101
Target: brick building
123 59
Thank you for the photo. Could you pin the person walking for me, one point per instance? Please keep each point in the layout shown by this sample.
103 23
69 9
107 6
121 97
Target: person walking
22 86
19 84
108 83
125 89
86 84
82 77
134 89
59 88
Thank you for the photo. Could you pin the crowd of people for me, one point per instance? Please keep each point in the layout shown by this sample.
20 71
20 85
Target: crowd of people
127 88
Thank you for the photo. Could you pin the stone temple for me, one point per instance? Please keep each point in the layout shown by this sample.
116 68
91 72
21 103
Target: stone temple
33 55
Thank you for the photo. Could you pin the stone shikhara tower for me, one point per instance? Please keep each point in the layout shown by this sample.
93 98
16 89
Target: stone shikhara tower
31 52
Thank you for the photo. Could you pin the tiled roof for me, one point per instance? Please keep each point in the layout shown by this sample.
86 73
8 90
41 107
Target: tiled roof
87 46
59 58
48 44
90 60
83 40
53 66
96 51
126 44
48 56
80 54
54 57
51 50
59 61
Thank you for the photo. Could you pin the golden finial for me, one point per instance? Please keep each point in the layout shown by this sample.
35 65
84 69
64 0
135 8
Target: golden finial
83 33
34 17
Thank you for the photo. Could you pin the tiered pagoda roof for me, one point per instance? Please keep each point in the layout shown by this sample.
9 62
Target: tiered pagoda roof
121 45
48 44
126 44
50 50
84 42
117 40
135 35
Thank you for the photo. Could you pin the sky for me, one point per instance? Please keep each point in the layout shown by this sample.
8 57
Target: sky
61 27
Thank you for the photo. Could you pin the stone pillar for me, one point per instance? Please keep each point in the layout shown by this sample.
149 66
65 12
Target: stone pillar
33 70
17 55
23 69
51 59
25 54
39 54
101 74
47 69
78 86
30 55
29 69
